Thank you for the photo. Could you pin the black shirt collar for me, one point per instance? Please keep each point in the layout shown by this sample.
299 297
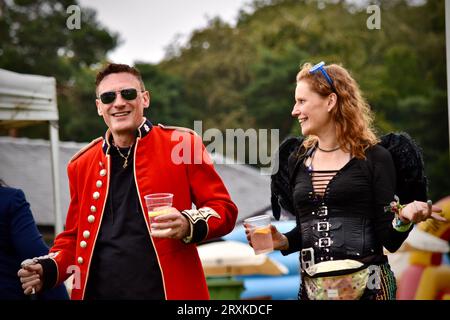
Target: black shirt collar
143 130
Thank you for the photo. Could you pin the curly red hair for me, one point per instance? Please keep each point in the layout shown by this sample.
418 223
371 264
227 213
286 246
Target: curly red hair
352 114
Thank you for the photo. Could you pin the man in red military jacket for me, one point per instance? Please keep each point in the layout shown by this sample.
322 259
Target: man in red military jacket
107 241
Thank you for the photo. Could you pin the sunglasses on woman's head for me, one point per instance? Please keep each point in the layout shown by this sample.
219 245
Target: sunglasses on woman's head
110 96
321 67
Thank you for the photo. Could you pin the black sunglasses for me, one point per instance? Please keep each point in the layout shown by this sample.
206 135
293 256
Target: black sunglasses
110 96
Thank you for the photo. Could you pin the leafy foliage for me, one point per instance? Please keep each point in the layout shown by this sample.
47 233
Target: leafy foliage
252 68
243 75
36 40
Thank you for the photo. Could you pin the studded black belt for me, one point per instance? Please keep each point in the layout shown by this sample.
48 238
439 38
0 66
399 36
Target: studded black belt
338 237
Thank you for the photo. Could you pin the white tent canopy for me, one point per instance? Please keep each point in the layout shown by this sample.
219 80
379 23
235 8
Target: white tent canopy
25 99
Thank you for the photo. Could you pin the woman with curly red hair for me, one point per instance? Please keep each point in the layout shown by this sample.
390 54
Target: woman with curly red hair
342 191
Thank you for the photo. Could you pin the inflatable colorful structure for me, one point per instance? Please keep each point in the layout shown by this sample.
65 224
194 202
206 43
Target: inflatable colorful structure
427 277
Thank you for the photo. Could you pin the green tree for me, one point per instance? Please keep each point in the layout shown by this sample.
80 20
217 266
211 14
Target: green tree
36 40
167 104
244 75
213 68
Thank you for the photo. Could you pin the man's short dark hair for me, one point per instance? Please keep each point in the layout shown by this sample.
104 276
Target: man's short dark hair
118 68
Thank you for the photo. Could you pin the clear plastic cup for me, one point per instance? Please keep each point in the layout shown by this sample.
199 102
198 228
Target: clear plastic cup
260 234
158 204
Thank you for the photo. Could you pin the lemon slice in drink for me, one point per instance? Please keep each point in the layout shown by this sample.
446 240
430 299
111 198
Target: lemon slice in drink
158 212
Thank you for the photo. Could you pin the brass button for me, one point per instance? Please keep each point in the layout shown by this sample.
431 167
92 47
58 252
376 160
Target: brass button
86 234
96 195
99 183
91 219
83 244
103 172
80 260
93 209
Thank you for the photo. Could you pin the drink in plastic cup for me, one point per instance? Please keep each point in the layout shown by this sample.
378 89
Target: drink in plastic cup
158 204
260 234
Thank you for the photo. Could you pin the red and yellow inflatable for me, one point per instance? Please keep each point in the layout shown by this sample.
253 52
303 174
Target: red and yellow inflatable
426 278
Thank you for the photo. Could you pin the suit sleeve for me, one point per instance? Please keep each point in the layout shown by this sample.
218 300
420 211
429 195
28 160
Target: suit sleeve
215 214
26 238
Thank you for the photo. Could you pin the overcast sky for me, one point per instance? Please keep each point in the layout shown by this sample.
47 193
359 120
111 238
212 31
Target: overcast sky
146 27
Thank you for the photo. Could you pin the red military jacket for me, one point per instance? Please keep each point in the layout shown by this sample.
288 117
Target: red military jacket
166 160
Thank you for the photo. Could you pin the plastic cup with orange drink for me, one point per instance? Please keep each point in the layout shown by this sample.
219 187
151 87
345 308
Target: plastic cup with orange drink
260 233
